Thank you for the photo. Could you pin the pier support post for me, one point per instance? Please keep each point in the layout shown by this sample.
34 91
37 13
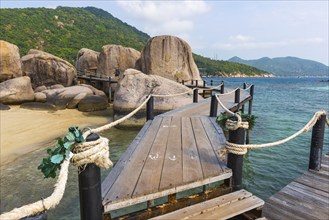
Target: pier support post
211 82
110 90
183 82
317 144
195 92
90 190
213 106
235 162
222 88
204 89
150 109
244 87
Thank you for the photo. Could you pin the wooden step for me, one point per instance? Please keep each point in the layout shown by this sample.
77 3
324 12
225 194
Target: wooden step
222 207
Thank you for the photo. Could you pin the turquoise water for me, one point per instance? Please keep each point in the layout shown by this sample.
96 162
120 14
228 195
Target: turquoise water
282 105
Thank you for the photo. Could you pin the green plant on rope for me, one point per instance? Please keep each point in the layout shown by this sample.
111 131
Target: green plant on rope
62 150
223 117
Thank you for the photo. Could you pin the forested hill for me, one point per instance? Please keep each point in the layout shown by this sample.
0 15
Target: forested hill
65 30
287 66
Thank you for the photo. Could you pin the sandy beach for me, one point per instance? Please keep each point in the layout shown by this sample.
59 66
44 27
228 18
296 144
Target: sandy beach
23 130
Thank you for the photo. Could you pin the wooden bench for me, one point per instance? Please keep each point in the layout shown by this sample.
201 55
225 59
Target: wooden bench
222 207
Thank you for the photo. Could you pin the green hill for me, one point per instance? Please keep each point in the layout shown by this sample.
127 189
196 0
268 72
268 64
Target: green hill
65 30
287 66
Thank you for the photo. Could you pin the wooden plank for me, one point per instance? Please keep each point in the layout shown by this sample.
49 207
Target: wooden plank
271 210
118 167
209 205
149 179
233 209
314 181
308 188
192 170
125 183
298 206
209 162
172 172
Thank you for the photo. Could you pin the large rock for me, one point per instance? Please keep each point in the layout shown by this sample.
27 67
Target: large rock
16 91
87 60
169 57
10 63
47 69
115 57
135 86
92 103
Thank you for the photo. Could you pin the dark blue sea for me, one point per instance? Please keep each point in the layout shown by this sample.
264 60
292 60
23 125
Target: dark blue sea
282 106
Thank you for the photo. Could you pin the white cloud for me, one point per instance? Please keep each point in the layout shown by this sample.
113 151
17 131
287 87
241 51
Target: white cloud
243 42
165 17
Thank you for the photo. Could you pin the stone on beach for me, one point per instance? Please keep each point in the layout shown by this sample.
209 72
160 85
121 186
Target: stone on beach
169 57
87 60
47 69
38 106
16 91
10 63
92 103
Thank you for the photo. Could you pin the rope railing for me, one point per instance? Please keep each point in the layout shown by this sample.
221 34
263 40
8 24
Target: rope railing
82 154
241 149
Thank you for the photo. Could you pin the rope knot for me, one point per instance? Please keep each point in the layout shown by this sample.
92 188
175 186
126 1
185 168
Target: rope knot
96 152
234 125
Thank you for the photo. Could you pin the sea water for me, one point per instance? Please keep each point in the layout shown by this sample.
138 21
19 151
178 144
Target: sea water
282 106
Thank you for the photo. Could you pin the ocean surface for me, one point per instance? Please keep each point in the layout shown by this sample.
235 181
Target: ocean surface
282 106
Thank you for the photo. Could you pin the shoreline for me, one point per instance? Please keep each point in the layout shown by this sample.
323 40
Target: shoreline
24 131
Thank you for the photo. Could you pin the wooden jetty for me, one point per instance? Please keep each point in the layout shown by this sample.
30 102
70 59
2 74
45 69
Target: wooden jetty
307 197
173 154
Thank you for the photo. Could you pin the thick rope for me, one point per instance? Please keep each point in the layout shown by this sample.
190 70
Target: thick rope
173 95
45 204
240 149
230 124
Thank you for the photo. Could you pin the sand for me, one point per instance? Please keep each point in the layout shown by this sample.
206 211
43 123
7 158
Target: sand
23 130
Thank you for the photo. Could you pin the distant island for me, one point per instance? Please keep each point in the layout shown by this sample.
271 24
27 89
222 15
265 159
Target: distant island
287 66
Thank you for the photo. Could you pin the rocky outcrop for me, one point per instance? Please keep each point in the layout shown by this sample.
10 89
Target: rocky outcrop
169 57
115 57
38 106
133 88
47 69
16 91
92 103
10 63
87 60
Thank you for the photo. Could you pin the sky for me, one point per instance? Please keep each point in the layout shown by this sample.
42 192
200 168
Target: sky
223 29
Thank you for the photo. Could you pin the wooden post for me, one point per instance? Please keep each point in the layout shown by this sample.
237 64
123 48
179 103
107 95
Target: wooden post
249 112
317 144
235 162
244 87
110 90
237 96
192 82
150 109
90 190
222 88
204 89
195 95
183 82
211 82
213 106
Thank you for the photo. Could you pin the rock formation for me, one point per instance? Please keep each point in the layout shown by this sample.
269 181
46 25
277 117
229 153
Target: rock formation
47 69
115 57
87 60
16 91
133 88
10 63
169 57
92 103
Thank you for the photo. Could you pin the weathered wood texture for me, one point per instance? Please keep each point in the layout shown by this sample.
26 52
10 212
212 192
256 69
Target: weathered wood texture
173 153
222 207
307 197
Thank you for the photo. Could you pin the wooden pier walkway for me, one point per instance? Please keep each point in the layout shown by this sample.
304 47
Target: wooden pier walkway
174 152
307 197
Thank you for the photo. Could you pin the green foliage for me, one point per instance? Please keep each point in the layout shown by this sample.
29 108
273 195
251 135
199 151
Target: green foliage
223 117
40 28
225 68
62 150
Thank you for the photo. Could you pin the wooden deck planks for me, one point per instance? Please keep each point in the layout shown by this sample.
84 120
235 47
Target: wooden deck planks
209 162
125 183
172 172
149 179
307 197
192 169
